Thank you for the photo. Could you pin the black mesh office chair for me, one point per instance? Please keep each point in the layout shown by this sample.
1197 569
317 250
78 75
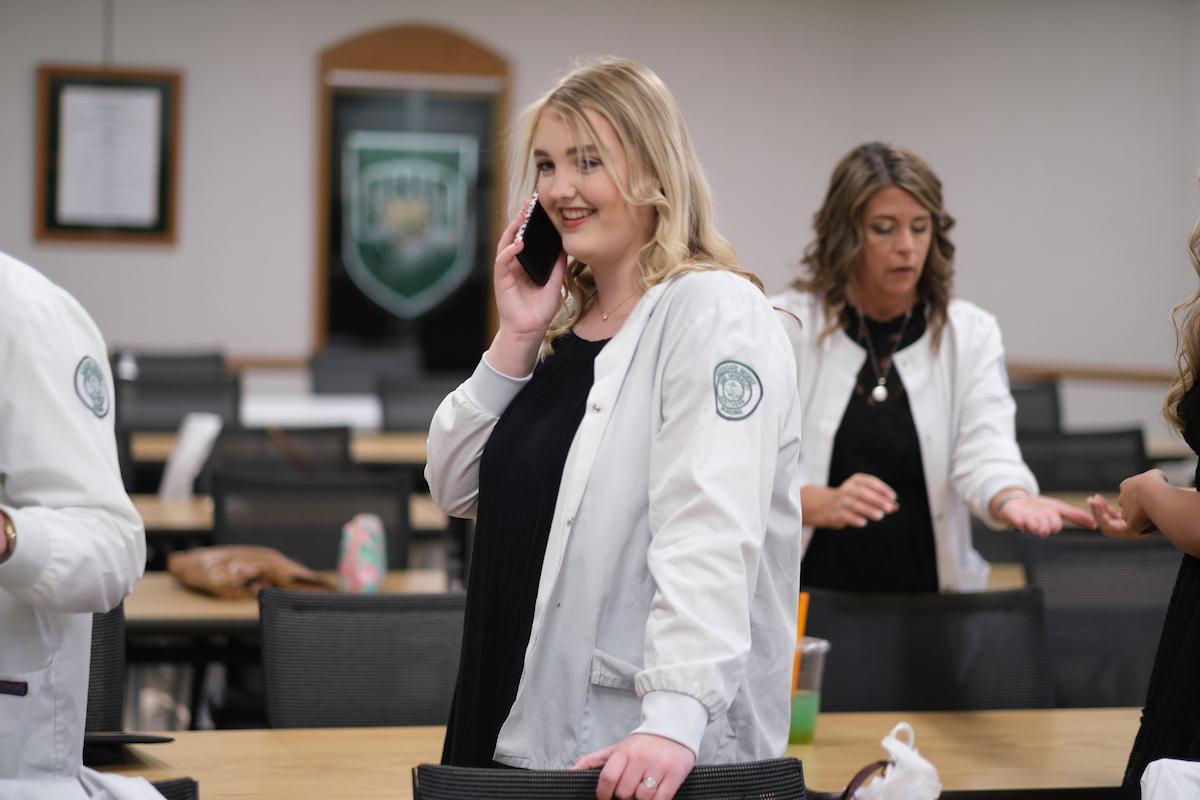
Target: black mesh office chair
178 789
409 404
1105 601
358 370
295 451
106 675
134 364
773 779
302 515
125 460
333 660
160 405
1084 461
1038 409
932 652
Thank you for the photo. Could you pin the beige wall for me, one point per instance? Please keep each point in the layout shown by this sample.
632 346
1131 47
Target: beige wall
1066 132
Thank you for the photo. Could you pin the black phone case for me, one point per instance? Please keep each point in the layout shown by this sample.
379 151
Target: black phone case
542 245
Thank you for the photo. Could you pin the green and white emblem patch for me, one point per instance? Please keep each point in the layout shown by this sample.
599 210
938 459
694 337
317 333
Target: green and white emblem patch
91 386
738 390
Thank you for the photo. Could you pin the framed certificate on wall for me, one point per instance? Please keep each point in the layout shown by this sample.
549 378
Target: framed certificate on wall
108 142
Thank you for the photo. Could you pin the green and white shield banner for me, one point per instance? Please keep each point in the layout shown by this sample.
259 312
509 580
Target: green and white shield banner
408 233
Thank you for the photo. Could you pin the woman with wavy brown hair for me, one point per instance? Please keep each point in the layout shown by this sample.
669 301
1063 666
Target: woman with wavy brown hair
1171 719
908 420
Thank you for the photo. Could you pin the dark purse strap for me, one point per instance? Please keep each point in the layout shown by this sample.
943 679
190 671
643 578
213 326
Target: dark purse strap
290 451
861 776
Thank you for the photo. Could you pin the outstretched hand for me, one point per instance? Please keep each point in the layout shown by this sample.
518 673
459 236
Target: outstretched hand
642 766
1042 515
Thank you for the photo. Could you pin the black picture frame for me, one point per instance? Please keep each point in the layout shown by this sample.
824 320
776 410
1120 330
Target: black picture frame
159 226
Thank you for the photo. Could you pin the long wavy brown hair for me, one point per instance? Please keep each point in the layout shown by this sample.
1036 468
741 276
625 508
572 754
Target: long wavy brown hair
663 173
1187 333
834 256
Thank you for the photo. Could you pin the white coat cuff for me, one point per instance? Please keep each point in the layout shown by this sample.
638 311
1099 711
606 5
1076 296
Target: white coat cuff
678 717
492 391
993 489
26 563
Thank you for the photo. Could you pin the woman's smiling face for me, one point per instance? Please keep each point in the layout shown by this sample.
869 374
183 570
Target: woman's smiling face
597 226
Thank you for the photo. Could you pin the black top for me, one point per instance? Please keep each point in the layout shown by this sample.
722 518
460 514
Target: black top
1171 719
895 554
519 474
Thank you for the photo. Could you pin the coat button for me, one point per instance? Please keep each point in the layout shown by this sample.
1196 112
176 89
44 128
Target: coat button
596 408
570 521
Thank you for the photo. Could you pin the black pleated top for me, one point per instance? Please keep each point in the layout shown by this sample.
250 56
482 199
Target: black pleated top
895 554
519 475
1171 719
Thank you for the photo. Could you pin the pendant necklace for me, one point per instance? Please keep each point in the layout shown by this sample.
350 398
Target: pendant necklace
604 316
880 392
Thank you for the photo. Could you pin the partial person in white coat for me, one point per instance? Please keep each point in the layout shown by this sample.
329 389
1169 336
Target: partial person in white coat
71 543
629 448
908 419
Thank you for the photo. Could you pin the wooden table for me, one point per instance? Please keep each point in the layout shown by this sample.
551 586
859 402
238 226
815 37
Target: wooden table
1057 748
159 604
366 447
196 513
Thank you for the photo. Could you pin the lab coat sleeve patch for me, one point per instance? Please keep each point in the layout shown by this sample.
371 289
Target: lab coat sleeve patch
91 386
737 388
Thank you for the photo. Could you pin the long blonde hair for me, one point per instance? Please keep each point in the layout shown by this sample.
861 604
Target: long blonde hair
1187 333
664 173
834 255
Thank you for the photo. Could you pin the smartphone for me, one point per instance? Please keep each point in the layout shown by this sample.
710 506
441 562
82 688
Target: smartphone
542 243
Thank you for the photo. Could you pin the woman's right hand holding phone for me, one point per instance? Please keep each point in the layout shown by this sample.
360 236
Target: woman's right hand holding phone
526 309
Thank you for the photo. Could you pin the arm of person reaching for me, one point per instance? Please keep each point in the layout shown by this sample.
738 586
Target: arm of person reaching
79 543
1149 503
987 469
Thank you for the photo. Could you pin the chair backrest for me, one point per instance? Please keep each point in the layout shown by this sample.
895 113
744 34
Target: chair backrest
772 779
332 660
135 364
160 405
409 404
302 515
357 370
932 652
1105 602
1084 461
1038 409
178 789
291 450
125 461
106 675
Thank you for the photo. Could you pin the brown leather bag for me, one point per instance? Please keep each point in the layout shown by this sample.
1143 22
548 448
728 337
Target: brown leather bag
239 571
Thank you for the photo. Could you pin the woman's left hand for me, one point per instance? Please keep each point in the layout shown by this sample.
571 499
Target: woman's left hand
1042 515
1135 498
641 757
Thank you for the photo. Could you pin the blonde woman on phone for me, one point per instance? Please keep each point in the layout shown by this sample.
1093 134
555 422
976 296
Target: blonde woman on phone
629 448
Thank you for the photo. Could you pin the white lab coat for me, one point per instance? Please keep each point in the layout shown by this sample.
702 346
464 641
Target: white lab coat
80 544
962 410
667 597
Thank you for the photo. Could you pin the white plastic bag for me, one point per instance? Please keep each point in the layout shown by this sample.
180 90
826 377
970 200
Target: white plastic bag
907 777
1171 779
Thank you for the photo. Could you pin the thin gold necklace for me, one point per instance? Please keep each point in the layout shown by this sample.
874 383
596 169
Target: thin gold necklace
604 316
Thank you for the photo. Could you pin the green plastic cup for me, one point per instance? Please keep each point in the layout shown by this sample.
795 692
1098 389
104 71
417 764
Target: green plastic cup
806 694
